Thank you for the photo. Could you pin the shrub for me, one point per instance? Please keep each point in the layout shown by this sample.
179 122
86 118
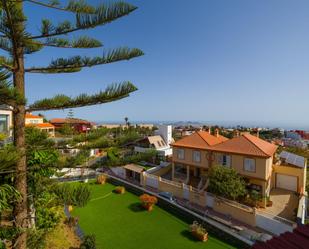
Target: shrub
148 201
120 190
70 194
88 242
47 218
101 179
226 182
198 231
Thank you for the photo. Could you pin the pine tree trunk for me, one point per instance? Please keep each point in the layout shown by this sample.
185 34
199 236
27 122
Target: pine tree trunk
21 207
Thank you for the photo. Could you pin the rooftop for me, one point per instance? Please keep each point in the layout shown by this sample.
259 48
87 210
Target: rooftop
246 144
31 116
200 140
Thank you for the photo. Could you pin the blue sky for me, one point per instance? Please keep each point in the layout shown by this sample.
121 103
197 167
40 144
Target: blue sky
228 61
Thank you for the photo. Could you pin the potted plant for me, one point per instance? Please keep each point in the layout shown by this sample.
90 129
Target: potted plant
120 190
198 231
148 201
101 179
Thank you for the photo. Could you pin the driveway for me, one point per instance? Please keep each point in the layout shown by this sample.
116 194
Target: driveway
284 203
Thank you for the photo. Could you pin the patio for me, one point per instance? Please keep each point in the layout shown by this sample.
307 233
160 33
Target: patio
284 203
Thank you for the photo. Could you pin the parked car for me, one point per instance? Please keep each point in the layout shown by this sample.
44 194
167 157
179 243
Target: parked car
167 195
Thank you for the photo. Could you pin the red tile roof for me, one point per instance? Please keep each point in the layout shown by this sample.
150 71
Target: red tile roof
248 145
200 140
298 239
43 125
69 120
30 116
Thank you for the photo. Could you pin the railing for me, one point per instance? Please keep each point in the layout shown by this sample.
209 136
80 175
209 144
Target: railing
177 184
235 203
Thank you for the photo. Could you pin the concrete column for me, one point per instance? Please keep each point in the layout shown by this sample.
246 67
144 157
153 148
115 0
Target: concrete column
188 174
173 170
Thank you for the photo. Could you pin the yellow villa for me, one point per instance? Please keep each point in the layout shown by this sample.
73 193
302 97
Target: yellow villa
38 122
250 156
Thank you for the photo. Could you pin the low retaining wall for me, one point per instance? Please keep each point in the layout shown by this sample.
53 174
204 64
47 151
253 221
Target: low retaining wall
246 216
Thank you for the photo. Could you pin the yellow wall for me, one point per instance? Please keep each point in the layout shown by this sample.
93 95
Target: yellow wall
300 173
235 212
189 157
165 187
262 165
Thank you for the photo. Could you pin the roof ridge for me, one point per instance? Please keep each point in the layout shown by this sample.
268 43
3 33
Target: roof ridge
203 138
245 136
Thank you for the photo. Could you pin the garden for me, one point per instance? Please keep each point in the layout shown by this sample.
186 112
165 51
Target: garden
126 221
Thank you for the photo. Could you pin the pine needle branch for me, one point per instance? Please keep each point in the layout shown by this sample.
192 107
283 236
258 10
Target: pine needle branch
112 93
102 15
74 6
76 63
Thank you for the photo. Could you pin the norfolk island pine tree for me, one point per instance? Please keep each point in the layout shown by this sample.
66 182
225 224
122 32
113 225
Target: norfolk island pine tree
17 42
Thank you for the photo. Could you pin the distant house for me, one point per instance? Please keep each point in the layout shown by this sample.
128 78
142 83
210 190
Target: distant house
6 119
6 122
78 125
38 122
159 142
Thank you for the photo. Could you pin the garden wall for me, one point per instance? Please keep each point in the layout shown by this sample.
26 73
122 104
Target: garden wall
235 211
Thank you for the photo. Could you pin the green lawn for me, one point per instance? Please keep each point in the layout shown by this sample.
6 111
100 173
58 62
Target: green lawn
119 223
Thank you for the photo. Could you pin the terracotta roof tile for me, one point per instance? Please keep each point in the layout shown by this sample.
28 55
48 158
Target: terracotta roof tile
247 144
69 120
200 140
29 115
43 125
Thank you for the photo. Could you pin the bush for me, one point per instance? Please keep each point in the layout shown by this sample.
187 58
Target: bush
226 182
88 242
101 179
198 231
69 194
47 218
148 201
120 190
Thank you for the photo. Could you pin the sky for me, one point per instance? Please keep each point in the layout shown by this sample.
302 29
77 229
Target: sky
219 61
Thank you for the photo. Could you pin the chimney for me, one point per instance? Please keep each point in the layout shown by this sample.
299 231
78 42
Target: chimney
258 133
216 132
208 129
235 133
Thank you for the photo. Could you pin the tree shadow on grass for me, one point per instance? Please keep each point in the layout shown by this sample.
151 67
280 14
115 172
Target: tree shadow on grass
136 207
189 236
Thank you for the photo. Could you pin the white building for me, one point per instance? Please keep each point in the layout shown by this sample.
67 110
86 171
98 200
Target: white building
160 142
6 119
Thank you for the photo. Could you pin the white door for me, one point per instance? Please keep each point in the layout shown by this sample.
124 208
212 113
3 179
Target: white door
286 182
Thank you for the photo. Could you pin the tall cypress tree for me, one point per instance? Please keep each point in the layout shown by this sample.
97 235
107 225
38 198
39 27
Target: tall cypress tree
17 42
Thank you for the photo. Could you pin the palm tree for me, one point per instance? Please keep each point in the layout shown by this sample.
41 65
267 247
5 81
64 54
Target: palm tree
126 119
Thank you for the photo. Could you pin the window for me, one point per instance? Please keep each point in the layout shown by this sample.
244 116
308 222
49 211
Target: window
4 123
181 154
249 164
196 156
226 160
